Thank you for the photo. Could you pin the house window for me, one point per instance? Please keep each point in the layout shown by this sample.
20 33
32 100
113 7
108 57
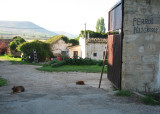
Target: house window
75 54
94 54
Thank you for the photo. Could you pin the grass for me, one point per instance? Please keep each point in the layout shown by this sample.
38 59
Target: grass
3 82
16 60
123 93
150 100
9 58
74 68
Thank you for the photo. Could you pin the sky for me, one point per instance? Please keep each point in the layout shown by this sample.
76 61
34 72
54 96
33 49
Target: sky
57 15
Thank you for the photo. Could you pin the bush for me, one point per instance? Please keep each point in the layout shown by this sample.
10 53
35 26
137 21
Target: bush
81 62
3 47
74 42
42 49
58 63
148 100
93 34
17 40
100 62
151 99
72 62
123 93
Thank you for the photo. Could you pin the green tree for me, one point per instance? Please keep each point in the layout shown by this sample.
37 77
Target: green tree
17 40
100 26
43 50
74 42
93 34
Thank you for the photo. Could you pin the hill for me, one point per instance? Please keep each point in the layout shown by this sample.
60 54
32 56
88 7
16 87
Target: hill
70 36
25 29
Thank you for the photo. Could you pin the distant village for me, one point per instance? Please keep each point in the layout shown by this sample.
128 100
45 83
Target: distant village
85 46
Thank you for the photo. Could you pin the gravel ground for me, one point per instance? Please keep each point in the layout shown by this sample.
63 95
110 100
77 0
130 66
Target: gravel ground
57 93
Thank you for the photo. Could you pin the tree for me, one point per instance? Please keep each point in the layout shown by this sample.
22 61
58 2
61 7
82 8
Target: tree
100 26
74 42
3 47
93 34
17 40
43 50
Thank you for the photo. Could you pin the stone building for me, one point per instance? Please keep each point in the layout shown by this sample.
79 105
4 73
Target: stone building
75 51
93 48
59 45
59 48
138 66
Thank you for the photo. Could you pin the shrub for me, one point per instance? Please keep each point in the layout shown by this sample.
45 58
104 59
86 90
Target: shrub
3 47
100 62
93 34
42 49
148 100
73 62
17 40
58 63
74 42
123 93
151 99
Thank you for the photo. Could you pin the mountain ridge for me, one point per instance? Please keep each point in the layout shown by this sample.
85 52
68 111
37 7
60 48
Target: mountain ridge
25 29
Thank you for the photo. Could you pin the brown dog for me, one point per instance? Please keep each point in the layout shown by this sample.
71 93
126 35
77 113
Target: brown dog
80 83
17 89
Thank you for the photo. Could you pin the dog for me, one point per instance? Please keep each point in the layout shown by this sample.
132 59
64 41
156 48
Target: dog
80 83
17 89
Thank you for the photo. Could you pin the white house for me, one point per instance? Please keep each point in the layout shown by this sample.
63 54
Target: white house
93 48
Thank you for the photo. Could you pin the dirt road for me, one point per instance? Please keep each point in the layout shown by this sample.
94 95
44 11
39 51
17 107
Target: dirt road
57 93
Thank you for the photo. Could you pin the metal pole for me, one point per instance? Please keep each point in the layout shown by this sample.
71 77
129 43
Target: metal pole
102 69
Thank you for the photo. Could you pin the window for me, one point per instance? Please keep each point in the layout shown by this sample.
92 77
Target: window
94 54
75 54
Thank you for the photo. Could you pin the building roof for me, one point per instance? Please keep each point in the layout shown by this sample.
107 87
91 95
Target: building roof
70 47
96 40
54 39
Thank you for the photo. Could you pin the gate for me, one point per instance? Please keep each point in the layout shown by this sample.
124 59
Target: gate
114 60
114 45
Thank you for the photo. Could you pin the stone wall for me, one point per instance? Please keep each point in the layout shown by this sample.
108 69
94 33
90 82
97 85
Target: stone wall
58 47
96 48
141 45
93 48
75 48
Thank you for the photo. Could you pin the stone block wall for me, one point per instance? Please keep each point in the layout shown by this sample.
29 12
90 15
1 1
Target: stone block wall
141 45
